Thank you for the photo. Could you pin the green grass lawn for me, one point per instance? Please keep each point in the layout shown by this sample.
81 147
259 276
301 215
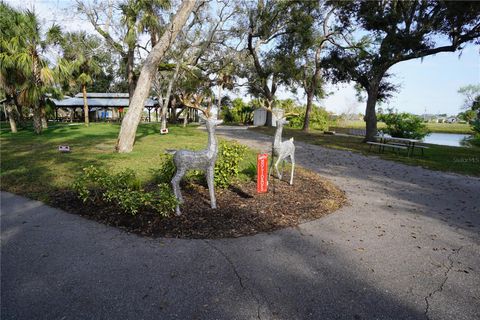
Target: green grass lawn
32 165
461 128
444 158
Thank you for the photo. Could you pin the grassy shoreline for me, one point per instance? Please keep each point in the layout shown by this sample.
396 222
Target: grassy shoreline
459 128
441 158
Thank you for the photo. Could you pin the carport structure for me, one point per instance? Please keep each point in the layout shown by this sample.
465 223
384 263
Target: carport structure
102 106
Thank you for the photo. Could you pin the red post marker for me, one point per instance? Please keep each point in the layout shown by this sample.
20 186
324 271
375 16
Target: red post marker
262 173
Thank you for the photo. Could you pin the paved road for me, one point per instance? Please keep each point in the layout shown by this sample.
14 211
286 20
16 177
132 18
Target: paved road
407 247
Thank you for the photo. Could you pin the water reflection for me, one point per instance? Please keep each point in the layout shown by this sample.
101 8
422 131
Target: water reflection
448 139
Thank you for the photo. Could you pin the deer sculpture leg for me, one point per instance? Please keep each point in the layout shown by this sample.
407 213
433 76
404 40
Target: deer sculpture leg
292 159
279 175
211 187
176 188
272 163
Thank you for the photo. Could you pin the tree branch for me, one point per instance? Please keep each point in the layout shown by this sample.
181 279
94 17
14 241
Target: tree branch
92 16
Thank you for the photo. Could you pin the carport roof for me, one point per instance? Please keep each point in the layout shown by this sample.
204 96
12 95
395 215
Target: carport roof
101 100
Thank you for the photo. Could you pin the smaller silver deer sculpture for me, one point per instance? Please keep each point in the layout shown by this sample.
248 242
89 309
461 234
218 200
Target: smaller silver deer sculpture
186 160
283 149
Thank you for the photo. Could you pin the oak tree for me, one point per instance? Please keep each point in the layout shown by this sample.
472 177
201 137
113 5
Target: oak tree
384 33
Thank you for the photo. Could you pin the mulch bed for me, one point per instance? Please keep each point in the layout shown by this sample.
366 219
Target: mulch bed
241 211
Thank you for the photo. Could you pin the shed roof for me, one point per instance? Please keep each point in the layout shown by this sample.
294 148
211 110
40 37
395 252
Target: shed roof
99 102
103 95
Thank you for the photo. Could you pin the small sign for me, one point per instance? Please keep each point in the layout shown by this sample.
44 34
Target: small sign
164 131
64 148
262 173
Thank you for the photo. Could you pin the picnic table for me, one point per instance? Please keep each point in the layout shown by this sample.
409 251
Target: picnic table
398 143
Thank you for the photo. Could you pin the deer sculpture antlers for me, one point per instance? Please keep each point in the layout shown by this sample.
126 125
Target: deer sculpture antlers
195 101
185 160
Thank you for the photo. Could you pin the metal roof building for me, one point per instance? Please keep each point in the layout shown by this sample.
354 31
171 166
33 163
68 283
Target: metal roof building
100 100
101 105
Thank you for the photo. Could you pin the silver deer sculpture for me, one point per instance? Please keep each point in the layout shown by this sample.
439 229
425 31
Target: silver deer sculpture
283 149
186 160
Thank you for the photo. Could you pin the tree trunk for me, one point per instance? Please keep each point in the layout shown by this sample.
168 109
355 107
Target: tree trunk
269 121
163 115
308 110
85 104
370 114
219 107
37 120
130 73
20 113
167 97
11 118
185 117
126 137
312 90
43 117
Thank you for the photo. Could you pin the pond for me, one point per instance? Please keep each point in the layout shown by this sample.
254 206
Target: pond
446 139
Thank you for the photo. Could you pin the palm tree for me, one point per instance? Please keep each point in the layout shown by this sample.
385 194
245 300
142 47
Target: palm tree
20 53
140 16
10 78
225 80
81 52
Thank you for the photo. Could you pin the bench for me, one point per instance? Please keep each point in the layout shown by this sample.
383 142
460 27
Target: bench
357 132
381 146
421 148
413 147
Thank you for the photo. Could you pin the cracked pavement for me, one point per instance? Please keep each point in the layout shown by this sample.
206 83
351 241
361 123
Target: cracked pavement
440 288
406 247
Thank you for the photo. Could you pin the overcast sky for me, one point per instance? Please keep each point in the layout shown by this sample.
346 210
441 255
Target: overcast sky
427 86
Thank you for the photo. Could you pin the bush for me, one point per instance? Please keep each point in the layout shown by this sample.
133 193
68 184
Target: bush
228 115
475 140
230 154
250 171
404 125
476 127
319 117
239 112
124 190
166 170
